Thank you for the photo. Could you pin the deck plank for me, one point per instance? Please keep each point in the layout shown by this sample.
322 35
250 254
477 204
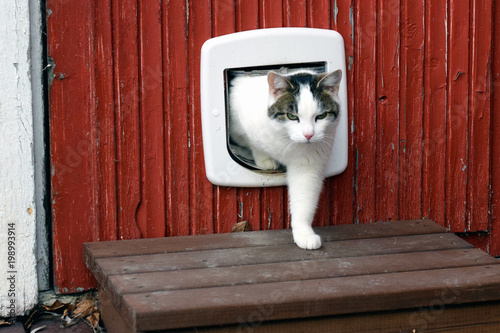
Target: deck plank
310 298
257 238
277 253
296 270
476 318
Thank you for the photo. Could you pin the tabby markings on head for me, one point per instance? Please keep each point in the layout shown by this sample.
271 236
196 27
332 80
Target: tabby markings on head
287 89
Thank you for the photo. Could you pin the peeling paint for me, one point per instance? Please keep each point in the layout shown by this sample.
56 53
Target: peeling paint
335 12
351 20
351 62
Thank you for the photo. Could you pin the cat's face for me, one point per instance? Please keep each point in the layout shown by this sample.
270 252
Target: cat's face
304 106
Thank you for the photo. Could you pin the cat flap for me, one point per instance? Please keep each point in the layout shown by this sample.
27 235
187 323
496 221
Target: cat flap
287 48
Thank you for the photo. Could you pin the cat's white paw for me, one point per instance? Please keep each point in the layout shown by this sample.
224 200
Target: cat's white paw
307 241
267 164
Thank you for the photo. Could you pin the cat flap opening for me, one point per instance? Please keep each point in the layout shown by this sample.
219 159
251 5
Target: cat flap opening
240 153
258 52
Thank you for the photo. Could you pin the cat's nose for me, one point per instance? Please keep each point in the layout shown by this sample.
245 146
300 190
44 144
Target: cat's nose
308 136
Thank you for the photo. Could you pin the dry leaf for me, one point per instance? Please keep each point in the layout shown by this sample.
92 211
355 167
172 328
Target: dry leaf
35 315
84 308
93 319
57 305
5 323
242 226
68 313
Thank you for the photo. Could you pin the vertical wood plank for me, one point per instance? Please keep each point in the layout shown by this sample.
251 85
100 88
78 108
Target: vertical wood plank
72 137
151 212
247 14
495 136
435 111
271 13
365 109
478 198
387 121
226 201
176 126
411 109
202 198
318 14
125 32
249 199
341 186
295 13
457 116
105 120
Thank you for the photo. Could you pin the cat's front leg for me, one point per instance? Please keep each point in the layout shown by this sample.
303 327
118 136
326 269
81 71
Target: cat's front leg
304 187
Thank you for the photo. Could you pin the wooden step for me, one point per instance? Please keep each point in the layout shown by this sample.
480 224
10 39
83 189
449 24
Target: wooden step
404 271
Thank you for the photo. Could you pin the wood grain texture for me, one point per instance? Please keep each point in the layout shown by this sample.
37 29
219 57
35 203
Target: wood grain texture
457 116
342 187
128 143
104 118
177 126
365 107
73 151
201 191
126 136
434 136
411 108
494 242
152 206
478 217
387 118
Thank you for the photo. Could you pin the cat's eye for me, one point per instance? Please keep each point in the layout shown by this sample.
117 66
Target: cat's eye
292 116
321 116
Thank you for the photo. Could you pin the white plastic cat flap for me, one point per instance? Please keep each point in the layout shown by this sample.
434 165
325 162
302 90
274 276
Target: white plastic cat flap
260 50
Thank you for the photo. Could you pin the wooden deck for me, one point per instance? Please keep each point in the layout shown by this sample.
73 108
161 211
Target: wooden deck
406 276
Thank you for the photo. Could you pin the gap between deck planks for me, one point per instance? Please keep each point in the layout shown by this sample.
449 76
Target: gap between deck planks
214 279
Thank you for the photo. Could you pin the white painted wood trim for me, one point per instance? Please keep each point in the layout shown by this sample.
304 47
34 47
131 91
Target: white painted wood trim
18 274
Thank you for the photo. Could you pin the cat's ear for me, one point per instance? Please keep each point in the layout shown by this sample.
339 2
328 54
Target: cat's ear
278 84
330 82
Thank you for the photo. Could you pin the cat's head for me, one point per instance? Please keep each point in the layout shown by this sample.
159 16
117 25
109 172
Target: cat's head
305 104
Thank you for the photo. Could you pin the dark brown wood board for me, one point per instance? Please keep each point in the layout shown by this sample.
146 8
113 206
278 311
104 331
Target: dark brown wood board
262 277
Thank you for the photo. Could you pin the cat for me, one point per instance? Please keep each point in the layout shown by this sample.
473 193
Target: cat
289 120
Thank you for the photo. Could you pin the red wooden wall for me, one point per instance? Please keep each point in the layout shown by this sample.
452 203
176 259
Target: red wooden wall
126 144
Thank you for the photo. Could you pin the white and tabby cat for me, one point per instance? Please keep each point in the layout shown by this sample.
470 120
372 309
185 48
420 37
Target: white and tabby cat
289 120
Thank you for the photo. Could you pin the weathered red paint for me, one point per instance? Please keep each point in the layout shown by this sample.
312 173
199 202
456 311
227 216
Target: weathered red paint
73 149
365 110
493 242
126 139
202 201
478 176
387 109
411 99
457 115
435 111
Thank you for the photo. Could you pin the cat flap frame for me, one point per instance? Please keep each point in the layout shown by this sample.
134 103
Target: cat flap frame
255 48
